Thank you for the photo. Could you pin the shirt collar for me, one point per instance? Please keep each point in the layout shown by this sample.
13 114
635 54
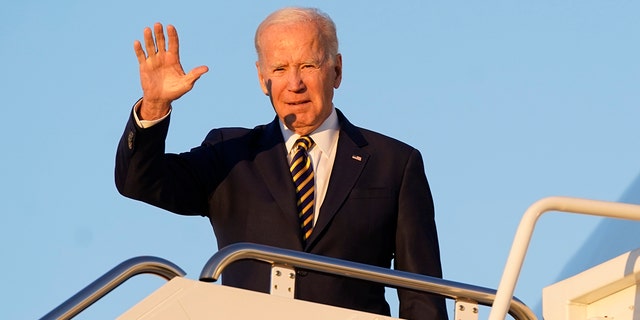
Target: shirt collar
325 137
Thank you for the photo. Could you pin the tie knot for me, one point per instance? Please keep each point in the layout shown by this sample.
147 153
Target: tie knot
304 142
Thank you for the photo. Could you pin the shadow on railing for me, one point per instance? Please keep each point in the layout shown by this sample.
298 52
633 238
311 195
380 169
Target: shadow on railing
392 278
111 280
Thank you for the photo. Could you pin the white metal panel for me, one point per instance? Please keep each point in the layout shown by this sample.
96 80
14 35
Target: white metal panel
619 305
606 291
183 298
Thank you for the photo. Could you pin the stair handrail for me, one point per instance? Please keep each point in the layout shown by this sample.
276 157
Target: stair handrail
525 231
393 278
111 280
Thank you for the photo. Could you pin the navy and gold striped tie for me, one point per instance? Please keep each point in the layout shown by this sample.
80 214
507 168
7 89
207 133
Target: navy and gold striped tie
302 173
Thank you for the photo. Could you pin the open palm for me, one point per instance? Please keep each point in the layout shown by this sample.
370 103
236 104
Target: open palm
162 77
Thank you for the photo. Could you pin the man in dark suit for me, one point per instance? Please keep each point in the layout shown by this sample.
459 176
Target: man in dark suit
364 198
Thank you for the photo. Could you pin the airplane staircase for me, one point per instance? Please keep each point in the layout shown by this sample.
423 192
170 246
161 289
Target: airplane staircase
285 262
183 298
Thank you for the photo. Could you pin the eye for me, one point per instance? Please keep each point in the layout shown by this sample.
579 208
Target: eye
278 69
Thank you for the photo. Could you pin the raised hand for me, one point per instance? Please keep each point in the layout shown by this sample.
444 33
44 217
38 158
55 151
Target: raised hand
161 75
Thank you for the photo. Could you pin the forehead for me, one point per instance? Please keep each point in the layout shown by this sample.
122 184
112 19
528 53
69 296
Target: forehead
300 40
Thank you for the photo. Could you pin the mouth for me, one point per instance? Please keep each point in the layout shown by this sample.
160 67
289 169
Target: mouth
296 103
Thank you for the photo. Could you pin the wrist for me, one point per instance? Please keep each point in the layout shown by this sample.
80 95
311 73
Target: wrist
153 110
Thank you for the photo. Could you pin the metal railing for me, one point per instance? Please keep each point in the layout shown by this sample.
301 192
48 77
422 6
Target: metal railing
392 278
525 232
501 300
111 280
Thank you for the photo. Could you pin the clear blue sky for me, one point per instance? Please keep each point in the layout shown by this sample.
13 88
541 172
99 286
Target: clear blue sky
508 101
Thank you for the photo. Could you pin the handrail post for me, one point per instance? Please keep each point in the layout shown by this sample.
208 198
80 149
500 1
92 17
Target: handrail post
111 280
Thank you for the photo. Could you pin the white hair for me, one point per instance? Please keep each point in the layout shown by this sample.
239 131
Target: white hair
291 15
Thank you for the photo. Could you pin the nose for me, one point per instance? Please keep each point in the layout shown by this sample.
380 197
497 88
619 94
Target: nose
295 82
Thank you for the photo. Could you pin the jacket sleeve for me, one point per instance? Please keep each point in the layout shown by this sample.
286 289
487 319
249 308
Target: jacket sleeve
144 172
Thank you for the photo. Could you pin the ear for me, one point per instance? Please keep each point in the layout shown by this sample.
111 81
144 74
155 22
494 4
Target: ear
263 83
338 70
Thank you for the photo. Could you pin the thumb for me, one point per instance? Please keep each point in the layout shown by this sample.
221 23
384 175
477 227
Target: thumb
196 73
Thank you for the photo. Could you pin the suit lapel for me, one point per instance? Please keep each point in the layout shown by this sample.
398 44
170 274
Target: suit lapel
349 162
272 165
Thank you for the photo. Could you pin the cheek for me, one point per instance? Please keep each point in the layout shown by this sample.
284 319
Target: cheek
273 89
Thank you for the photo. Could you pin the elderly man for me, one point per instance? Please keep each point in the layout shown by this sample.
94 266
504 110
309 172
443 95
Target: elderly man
309 180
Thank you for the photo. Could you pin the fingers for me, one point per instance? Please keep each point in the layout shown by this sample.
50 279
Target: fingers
149 44
157 29
154 42
174 44
137 48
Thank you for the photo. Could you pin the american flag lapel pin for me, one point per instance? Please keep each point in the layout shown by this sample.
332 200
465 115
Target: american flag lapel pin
356 157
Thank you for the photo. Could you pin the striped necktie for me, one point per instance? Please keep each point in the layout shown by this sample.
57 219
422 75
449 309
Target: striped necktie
302 173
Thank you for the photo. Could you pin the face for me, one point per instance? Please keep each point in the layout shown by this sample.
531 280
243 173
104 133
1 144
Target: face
297 74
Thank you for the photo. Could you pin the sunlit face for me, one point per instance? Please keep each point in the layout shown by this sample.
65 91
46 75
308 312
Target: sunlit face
297 75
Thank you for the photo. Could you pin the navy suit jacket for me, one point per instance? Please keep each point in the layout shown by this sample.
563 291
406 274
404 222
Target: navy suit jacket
378 206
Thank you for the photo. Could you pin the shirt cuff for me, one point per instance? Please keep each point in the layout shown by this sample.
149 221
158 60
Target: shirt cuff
146 123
